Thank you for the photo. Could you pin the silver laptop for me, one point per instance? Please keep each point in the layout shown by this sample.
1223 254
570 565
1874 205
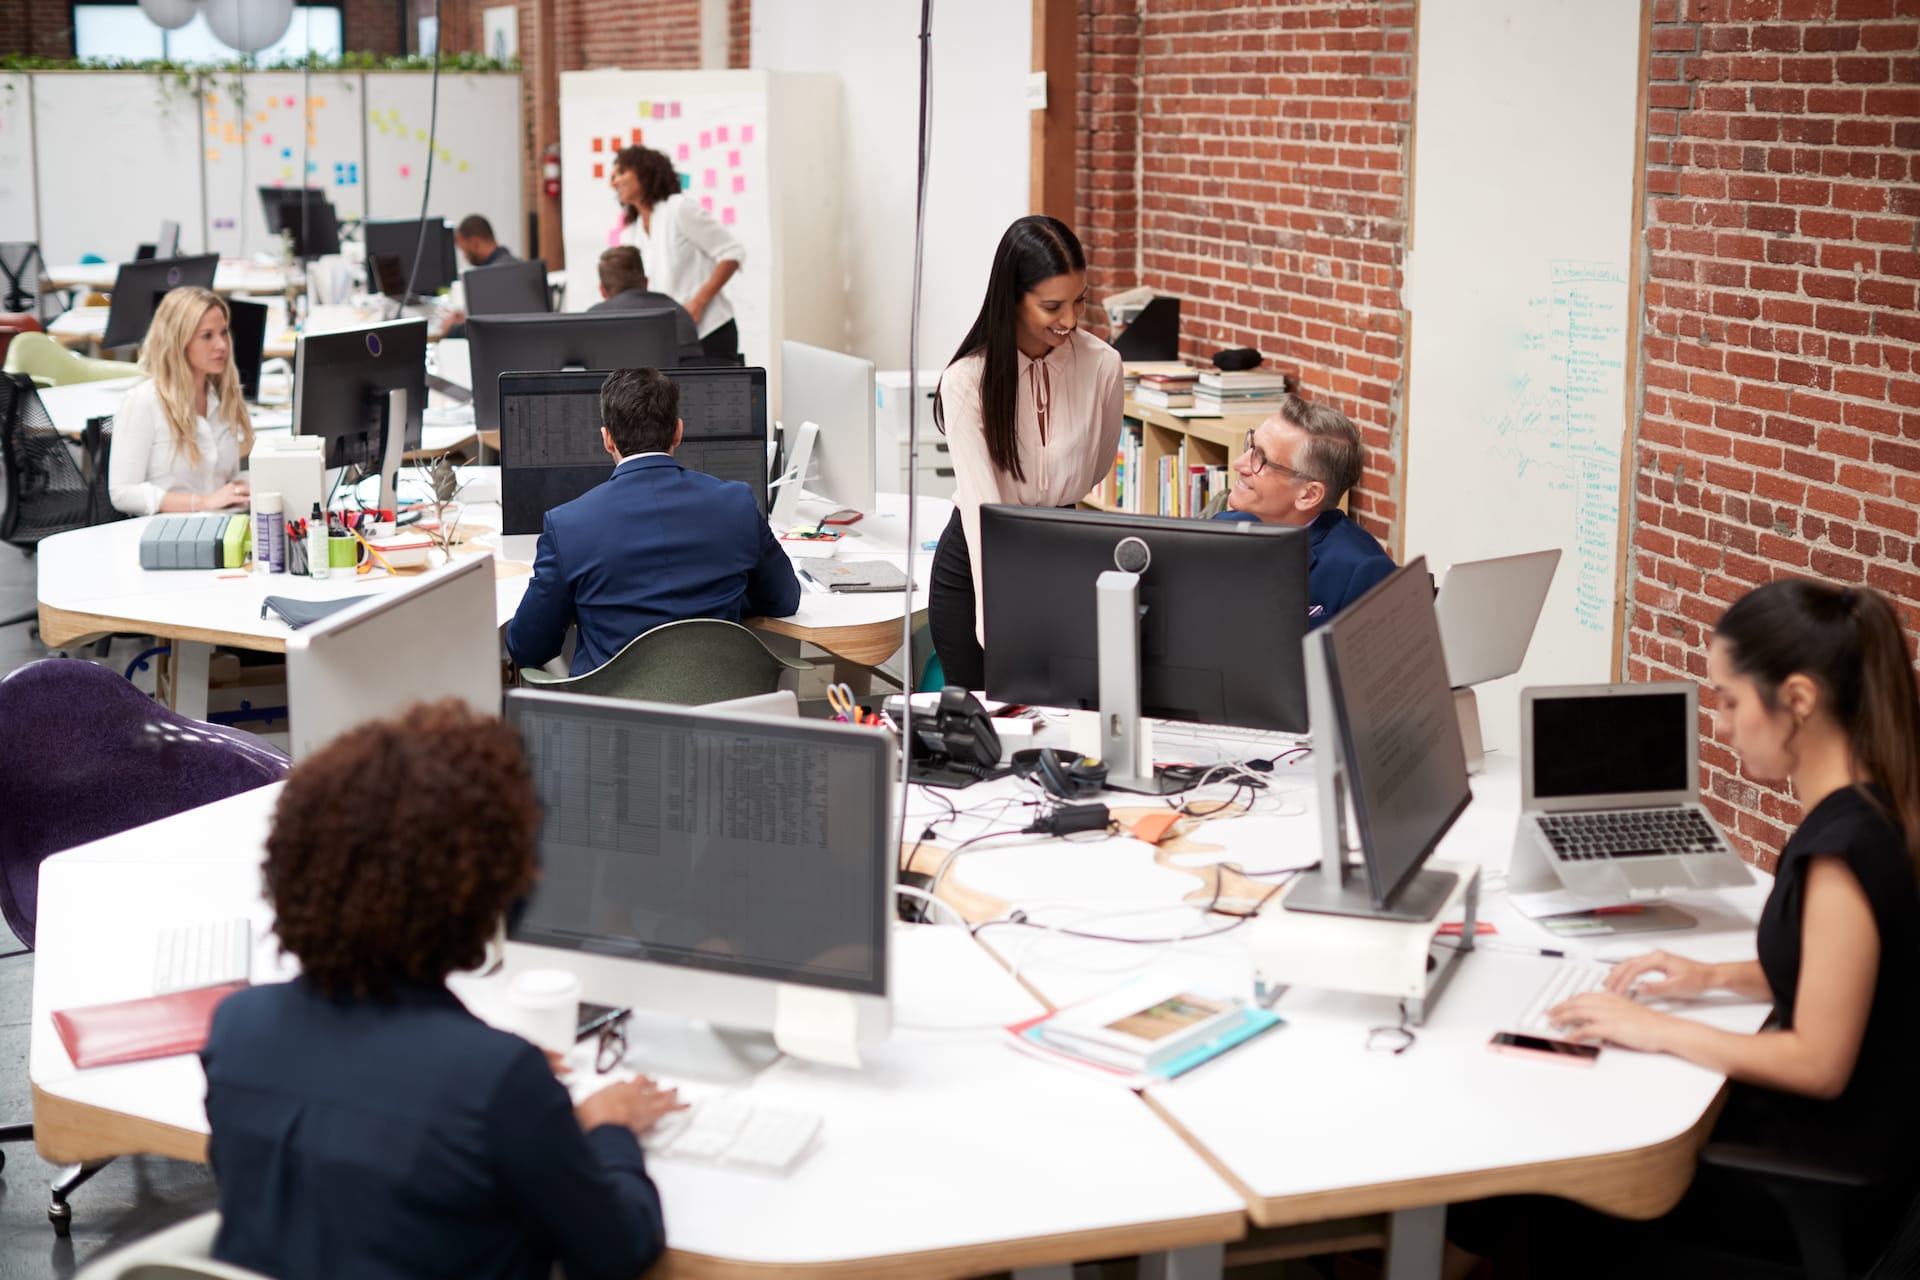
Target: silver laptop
1609 802
1487 611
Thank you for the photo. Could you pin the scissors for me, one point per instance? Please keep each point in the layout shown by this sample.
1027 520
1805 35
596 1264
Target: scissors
840 698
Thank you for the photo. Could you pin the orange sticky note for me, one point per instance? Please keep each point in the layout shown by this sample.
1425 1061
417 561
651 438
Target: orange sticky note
636 137
599 145
1154 827
600 171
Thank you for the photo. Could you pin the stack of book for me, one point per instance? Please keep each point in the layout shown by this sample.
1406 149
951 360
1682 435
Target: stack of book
1166 390
1236 393
1145 1032
1132 371
1186 486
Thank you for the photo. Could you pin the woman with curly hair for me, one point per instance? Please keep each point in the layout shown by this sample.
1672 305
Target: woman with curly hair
363 1122
689 256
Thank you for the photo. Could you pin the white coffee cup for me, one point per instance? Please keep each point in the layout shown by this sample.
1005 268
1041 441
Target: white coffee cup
546 1007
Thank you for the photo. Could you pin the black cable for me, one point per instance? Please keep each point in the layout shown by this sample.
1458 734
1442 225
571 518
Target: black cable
426 186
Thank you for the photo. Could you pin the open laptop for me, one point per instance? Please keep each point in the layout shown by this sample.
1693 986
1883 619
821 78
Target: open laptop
1488 610
1609 807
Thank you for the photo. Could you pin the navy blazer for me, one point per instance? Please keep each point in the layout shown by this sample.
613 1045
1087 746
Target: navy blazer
648 300
655 543
407 1138
1344 562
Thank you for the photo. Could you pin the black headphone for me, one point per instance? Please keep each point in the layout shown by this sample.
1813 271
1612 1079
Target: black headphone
1061 773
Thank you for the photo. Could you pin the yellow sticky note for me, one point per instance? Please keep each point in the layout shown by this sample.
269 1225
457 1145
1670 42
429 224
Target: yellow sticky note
316 103
286 171
646 109
213 153
212 97
446 156
419 135
462 166
260 118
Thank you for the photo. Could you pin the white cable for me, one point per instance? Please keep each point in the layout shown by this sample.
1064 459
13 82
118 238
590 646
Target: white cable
947 907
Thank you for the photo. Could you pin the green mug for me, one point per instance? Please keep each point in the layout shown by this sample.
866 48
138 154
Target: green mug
344 551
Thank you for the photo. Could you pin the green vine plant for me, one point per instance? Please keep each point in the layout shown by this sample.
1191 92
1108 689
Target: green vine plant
182 75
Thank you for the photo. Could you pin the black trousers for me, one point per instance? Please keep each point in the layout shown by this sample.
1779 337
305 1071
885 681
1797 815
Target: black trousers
950 610
724 341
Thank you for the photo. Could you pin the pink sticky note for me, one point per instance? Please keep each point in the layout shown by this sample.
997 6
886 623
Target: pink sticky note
706 202
674 110
406 171
726 216
739 183
659 111
711 179
291 101
721 133
266 139
733 159
683 152
746 133
706 140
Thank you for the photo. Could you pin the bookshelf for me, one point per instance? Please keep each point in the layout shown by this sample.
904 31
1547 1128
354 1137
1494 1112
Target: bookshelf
1209 442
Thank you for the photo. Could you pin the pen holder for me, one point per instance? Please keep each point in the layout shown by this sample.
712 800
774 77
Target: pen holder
297 556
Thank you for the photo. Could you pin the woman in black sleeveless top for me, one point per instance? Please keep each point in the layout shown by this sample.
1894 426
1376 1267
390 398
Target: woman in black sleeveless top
1815 687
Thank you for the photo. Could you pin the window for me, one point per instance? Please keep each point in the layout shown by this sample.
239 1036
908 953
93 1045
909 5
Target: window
117 29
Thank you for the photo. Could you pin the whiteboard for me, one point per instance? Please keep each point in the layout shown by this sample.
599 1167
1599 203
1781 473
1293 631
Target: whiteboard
264 135
128 148
477 160
713 126
1517 288
18 220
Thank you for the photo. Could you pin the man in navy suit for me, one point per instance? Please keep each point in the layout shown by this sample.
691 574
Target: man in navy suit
654 544
1296 467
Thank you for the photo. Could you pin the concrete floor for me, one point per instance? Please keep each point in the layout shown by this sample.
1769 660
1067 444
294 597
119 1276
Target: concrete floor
127 1199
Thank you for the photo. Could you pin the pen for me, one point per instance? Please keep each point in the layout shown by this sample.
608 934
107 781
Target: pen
1548 952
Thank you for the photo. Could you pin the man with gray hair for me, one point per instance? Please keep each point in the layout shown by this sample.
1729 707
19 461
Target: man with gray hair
1295 468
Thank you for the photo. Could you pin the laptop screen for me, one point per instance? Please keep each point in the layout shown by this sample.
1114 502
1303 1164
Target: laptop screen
1614 745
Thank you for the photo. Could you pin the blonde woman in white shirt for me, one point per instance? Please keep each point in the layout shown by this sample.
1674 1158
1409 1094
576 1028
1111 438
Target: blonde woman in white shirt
688 255
180 435
1031 405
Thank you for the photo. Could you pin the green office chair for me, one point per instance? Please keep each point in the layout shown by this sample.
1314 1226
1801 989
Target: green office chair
51 365
183 1251
692 662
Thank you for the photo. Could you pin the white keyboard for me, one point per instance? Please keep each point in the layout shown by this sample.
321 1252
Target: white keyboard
1181 731
728 1131
209 953
1570 978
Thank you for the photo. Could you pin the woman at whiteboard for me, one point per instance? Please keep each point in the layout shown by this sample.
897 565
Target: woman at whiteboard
179 436
1032 405
689 256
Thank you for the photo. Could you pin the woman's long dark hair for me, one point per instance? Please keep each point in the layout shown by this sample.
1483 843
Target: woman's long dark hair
658 181
1035 248
1849 641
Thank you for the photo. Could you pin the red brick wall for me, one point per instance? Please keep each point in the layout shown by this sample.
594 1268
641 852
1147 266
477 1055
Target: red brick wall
1273 147
373 26
739 38
1107 147
629 33
35 27
1780 431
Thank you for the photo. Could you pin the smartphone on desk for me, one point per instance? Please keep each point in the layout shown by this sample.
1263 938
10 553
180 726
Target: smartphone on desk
1566 1052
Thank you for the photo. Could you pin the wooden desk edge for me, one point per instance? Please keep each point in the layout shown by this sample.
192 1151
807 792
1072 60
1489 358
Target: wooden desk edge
64 626
1641 1183
69 1132
869 643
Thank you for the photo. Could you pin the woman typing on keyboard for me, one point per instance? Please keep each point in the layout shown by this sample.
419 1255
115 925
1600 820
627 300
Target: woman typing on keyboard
363 1122
1815 688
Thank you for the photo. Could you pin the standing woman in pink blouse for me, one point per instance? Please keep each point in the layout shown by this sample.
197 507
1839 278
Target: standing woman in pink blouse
1031 405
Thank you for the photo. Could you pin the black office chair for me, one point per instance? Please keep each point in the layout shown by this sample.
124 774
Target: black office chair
48 490
20 267
1813 1199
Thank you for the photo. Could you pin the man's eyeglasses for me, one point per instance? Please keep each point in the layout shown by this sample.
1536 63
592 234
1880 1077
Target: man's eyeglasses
1262 462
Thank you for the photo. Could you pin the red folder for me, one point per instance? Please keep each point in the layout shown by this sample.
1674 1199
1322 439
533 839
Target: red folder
99 1035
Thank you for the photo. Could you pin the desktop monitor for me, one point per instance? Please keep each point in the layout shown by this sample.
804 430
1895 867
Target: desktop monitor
341 386
137 287
1214 635
835 392
509 288
544 343
1385 740
1487 611
699 863
431 637
246 338
391 245
307 213
168 245
550 449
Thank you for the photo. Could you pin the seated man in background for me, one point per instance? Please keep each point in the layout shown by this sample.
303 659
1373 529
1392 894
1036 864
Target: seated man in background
654 544
623 287
474 236
1297 466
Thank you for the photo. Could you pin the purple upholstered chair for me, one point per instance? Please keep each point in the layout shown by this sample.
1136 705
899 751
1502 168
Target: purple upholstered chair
84 754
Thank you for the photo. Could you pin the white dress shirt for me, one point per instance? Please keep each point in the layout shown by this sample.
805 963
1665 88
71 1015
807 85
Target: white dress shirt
1079 383
680 250
143 466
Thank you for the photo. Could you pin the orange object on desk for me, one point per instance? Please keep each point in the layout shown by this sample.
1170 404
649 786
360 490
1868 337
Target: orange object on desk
1154 827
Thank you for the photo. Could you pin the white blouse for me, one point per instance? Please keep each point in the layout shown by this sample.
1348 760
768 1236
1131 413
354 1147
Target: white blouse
680 251
1079 386
143 466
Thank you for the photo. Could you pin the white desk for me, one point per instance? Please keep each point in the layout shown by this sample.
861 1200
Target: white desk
948 1154
84 327
1308 1123
231 276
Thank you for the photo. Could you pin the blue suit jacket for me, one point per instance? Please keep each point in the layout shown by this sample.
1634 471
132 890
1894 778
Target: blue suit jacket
654 544
1344 562
407 1138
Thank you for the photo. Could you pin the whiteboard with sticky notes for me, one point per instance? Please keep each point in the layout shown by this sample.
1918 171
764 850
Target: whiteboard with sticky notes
271 129
477 166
